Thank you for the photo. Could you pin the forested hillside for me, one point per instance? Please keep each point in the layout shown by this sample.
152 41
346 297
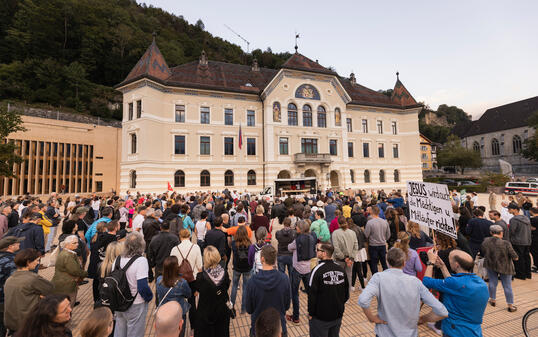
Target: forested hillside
71 52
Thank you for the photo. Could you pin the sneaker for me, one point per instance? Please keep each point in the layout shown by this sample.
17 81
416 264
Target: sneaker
431 325
290 318
352 289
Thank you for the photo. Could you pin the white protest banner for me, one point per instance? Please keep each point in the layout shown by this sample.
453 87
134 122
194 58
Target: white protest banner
429 205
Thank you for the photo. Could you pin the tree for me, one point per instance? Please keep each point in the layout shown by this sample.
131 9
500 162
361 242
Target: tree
453 154
530 148
200 24
11 122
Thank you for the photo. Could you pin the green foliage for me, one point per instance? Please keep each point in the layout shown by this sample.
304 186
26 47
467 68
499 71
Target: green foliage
494 179
453 154
453 114
530 148
481 188
11 122
71 52
456 118
435 133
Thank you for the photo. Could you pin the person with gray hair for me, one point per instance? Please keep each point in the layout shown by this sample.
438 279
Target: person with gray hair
498 260
68 271
399 299
132 322
168 320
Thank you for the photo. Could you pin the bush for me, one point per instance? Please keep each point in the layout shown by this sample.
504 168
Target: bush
470 188
494 179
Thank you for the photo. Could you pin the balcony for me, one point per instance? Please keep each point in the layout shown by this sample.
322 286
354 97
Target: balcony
302 159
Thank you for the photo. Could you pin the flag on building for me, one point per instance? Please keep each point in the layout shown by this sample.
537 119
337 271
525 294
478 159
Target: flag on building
240 137
170 187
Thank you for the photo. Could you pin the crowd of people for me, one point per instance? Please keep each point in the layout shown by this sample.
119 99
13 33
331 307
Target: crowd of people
194 249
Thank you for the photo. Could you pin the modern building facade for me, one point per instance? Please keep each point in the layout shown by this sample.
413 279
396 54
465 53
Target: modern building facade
64 152
208 125
428 154
500 133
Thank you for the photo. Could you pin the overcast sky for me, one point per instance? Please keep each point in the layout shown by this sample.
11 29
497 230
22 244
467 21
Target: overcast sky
472 54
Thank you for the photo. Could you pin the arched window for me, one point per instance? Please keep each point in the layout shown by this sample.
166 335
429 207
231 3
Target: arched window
476 146
133 143
366 176
381 176
251 177
396 176
132 179
322 117
179 179
337 117
516 144
228 178
352 175
205 178
292 114
307 115
495 151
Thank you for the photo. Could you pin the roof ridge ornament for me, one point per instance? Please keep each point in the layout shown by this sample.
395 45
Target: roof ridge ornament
397 75
255 66
203 59
154 36
352 78
296 47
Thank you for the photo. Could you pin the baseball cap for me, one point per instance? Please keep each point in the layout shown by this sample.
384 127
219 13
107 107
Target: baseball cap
9 240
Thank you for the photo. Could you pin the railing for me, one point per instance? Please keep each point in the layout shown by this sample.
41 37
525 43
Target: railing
312 158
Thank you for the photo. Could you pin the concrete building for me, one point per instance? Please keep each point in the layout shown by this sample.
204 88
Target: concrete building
428 154
64 152
209 125
500 133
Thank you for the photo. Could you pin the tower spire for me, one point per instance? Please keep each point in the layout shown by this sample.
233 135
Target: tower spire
397 75
154 36
296 37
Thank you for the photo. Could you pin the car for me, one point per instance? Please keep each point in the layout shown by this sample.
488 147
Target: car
466 183
532 180
447 182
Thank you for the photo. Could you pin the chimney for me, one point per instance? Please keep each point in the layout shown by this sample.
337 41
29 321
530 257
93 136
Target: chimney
255 66
203 59
352 78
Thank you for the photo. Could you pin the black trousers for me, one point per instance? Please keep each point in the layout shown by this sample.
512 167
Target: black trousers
523 264
534 251
357 270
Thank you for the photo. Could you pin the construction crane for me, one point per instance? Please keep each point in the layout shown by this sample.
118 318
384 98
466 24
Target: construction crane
242 38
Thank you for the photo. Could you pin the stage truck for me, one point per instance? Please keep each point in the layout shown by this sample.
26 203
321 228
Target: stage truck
291 186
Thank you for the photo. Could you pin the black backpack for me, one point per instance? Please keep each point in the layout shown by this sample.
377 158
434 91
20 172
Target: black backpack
115 292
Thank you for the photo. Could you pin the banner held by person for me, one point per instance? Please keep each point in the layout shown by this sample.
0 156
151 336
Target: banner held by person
429 205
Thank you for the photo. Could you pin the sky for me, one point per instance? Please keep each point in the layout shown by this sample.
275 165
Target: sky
471 54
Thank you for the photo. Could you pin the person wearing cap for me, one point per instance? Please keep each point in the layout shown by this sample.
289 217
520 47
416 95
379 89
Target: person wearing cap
30 230
9 245
498 256
520 237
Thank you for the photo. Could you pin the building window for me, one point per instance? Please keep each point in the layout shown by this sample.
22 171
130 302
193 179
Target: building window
364 126
205 178
381 150
495 150
292 114
98 186
349 125
138 109
337 117
423 148
396 176
309 145
333 147
179 144
381 176
424 156
228 117
352 175
205 145
228 146
379 127
204 115
130 113
179 179
366 176
394 129
283 145
350 149
251 146
395 152
180 113
322 117
251 177
366 150
476 147
307 115
251 118
424 165
133 143
132 179
516 144
228 178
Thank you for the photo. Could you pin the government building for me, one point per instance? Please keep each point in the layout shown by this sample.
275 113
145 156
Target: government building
208 125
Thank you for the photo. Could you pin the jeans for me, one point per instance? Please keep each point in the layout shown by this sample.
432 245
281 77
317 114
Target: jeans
235 284
283 261
50 238
377 254
506 281
319 328
131 323
296 279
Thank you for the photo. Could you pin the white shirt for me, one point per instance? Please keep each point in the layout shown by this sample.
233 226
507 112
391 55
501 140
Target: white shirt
194 258
137 222
96 204
201 229
137 271
505 215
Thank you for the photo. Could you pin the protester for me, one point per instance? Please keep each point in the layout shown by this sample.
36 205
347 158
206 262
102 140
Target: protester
495 216
360 267
284 237
48 318
168 320
99 323
201 227
241 266
320 228
520 237
477 230
217 238
254 250
268 324
139 218
346 247
412 261
534 238
9 245
30 231
378 232
160 247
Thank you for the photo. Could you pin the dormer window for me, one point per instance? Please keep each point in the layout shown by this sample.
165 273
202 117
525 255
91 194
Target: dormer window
248 85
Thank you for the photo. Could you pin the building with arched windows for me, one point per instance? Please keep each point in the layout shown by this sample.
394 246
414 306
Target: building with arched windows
500 133
208 125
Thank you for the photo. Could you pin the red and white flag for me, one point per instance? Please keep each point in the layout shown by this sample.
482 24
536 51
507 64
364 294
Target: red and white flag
240 137
170 187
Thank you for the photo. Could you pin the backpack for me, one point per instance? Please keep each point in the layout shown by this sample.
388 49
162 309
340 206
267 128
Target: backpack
176 224
115 292
257 266
306 246
185 268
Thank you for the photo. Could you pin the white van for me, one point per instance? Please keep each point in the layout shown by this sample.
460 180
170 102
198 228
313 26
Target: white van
530 188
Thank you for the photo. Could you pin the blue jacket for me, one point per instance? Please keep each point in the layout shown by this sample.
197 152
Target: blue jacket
465 296
7 267
329 212
33 236
93 229
396 202
268 288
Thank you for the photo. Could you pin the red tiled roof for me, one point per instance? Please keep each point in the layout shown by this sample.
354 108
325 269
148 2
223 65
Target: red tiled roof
361 95
301 62
151 64
401 96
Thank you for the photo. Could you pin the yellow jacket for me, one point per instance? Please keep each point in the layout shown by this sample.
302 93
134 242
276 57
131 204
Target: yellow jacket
45 223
